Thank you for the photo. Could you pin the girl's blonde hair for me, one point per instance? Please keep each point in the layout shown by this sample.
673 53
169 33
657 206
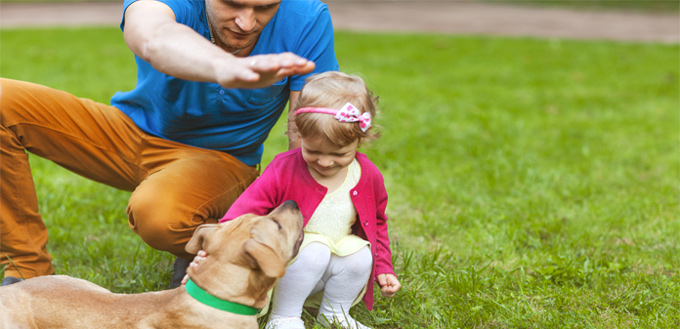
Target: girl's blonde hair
333 90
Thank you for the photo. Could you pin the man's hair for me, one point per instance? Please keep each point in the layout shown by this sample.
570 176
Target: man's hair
333 90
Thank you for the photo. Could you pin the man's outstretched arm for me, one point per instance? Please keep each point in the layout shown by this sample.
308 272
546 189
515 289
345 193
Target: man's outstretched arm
152 33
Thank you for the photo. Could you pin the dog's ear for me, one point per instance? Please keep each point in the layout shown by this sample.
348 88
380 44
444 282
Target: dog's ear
196 242
267 259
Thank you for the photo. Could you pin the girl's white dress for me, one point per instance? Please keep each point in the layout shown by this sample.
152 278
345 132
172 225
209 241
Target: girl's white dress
331 224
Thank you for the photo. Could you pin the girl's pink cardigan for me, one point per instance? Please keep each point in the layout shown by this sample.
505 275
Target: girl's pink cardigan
287 178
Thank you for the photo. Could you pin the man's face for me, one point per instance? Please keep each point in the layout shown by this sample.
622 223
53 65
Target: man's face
237 24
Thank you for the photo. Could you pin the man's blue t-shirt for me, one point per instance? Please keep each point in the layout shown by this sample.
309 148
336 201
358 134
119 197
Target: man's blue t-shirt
236 121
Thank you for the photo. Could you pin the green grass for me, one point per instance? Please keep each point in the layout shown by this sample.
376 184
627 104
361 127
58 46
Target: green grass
533 183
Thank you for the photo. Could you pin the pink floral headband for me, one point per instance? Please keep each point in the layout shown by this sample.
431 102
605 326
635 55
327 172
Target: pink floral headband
347 113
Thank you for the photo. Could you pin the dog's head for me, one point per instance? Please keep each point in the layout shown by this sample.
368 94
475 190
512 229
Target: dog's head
247 254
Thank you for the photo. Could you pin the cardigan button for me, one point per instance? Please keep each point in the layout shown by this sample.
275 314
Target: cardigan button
366 223
355 193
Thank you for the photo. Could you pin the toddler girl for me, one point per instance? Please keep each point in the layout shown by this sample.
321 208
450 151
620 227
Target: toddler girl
342 197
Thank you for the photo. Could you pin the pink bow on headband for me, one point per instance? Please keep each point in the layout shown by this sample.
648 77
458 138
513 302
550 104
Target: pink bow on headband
347 113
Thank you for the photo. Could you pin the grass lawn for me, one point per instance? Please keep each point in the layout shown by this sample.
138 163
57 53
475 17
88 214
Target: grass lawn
533 183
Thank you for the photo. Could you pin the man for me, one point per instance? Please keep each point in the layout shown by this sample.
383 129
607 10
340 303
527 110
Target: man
213 78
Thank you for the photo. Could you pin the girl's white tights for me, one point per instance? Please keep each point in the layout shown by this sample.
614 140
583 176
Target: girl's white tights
316 269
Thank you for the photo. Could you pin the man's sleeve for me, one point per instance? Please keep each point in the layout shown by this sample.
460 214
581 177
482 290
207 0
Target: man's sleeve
180 8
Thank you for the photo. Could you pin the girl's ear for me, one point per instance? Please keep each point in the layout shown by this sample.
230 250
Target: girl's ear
361 142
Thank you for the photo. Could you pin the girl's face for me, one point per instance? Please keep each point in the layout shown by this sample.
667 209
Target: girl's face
324 158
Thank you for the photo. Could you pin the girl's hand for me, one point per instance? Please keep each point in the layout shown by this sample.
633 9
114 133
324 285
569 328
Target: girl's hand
201 255
389 284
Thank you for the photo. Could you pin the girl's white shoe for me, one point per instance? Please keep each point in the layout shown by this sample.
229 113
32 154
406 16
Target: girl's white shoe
343 320
289 322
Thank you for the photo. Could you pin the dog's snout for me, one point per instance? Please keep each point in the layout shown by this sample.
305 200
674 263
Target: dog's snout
291 204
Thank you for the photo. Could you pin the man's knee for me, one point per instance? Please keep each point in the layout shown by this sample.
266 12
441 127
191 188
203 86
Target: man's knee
172 202
163 225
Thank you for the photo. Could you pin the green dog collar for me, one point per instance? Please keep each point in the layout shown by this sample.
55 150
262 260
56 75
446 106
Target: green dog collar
204 297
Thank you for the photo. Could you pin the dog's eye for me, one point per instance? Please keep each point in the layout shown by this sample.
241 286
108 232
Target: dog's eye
277 223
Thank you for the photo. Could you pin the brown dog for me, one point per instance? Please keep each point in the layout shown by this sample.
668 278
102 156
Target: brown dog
246 256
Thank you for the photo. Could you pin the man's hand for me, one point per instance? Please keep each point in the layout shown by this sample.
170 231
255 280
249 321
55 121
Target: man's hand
389 284
261 70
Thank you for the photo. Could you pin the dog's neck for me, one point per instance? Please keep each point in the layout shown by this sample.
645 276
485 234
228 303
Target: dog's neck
225 278
224 305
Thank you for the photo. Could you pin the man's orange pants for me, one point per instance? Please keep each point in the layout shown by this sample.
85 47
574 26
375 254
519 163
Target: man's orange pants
175 187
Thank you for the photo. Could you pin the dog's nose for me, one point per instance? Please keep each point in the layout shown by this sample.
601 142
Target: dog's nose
291 204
